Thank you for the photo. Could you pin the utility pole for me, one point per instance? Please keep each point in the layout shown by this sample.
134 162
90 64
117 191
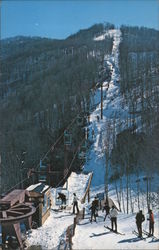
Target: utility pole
138 192
101 78
66 163
21 166
106 176
127 189
101 100
0 177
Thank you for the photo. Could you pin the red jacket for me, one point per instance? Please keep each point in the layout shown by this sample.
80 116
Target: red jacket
151 217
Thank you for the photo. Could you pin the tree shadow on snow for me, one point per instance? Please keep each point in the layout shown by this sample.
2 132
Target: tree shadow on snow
97 235
153 241
82 224
131 240
62 216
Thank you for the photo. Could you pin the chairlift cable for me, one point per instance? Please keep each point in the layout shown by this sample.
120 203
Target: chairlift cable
50 149
70 164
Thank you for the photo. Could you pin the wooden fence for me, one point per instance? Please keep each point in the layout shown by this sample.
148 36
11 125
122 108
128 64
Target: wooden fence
70 232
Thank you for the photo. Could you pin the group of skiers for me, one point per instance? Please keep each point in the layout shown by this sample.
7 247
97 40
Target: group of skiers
140 218
112 214
62 197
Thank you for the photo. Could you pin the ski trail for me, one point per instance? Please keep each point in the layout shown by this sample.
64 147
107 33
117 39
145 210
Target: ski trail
111 108
95 236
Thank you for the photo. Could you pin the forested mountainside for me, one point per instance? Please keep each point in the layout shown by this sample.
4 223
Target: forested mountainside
137 147
44 84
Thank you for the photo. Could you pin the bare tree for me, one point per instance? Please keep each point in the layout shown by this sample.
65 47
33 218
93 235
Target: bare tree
107 148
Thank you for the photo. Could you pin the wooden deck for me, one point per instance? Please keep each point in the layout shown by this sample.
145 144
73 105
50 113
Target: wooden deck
16 196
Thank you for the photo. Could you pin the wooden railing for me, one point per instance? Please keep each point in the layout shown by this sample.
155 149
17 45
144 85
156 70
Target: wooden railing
70 232
71 229
87 189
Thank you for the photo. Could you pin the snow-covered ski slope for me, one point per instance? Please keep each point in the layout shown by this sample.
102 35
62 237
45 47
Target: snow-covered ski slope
95 235
112 107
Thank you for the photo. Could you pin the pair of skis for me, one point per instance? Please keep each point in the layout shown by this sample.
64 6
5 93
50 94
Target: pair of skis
136 233
116 232
148 235
145 233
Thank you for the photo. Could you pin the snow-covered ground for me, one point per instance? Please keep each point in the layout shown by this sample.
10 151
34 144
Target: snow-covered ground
49 235
112 108
95 235
54 229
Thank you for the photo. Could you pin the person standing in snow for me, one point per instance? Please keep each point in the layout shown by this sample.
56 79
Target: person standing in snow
151 223
62 197
96 202
92 133
107 210
139 220
94 209
113 217
87 133
75 203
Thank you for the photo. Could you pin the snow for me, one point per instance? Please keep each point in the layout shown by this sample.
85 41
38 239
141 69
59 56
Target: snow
33 187
54 229
111 108
110 33
100 38
95 235
49 235
77 183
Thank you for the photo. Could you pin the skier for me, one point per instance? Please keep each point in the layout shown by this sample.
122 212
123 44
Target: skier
75 203
96 202
62 197
94 209
92 133
113 216
87 133
97 118
139 220
151 223
107 210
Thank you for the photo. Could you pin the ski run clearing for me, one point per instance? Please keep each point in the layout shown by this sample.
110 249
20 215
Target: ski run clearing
94 235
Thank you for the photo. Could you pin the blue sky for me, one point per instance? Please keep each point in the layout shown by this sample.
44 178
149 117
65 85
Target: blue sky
59 19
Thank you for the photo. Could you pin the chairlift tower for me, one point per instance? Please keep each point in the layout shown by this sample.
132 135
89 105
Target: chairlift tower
101 100
67 145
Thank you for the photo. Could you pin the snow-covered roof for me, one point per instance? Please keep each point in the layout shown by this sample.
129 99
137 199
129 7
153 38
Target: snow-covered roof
39 188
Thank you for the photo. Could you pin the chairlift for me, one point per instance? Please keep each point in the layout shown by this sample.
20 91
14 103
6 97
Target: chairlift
82 151
80 120
67 138
42 176
81 155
